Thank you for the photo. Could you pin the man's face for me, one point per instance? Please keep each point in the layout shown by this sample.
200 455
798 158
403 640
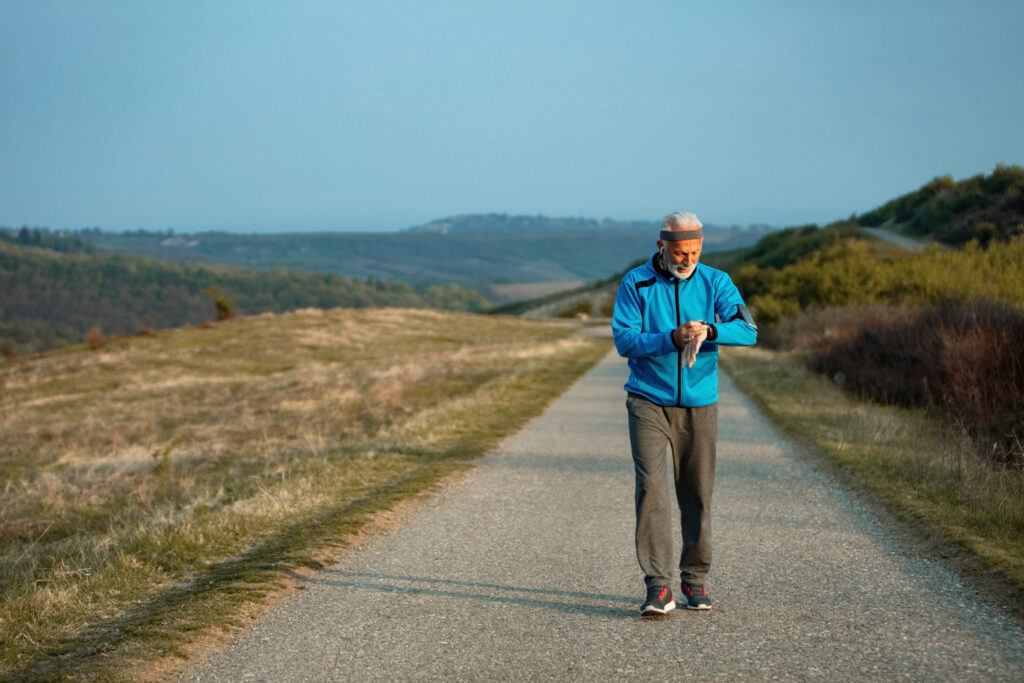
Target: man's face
680 257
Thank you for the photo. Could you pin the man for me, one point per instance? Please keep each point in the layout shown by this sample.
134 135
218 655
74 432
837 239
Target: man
671 314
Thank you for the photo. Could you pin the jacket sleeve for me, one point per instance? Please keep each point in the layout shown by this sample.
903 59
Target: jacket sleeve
627 327
736 329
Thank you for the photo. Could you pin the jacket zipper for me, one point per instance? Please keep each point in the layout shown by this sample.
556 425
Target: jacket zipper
679 364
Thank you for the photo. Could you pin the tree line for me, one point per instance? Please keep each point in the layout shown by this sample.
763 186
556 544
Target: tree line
50 298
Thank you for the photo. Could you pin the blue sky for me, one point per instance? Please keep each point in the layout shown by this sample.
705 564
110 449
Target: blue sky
378 115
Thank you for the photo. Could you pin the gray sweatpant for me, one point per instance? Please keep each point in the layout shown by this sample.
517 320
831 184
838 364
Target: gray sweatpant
690 436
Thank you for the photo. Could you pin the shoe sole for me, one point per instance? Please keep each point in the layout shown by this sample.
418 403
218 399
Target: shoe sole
698 607
652 611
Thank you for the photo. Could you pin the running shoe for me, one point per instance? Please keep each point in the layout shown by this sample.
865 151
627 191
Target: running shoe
659 601
696 596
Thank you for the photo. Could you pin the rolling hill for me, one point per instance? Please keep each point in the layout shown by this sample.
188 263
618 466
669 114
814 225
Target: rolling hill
482 252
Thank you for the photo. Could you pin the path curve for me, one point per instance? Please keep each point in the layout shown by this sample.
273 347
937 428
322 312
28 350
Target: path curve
908 243
525 569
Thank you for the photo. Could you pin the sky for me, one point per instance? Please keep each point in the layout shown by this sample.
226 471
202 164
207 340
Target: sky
377 115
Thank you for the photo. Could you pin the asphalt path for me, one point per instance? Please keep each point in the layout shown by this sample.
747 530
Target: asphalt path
525 570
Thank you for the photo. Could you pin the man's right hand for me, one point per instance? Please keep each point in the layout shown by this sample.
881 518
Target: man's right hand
688 332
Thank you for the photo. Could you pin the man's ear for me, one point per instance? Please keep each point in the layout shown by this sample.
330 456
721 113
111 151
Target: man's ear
660 244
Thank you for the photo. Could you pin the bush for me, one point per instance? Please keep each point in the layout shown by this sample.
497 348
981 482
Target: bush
961 357
225 307
95 338
849 273
583 308
10 351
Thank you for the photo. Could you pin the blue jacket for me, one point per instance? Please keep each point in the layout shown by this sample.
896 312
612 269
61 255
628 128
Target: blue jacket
649 305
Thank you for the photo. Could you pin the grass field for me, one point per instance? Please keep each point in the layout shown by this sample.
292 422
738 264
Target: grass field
157 486
920 466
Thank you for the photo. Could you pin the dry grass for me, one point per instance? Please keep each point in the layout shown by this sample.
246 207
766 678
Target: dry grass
153 487
923 468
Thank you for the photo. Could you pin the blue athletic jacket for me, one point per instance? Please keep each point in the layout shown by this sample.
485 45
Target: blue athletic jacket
650 305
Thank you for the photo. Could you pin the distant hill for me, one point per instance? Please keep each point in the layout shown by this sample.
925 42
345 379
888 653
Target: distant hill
49 299
482 252
502 222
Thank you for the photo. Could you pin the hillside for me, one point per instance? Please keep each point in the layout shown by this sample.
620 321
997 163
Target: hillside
480 252
981 208
48 299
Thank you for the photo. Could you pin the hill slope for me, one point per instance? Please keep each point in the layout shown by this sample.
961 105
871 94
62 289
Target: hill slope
48 299
981 207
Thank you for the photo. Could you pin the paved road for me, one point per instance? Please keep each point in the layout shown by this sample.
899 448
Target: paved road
525 570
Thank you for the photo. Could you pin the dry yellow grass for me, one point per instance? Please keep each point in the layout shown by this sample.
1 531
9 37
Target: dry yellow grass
152 486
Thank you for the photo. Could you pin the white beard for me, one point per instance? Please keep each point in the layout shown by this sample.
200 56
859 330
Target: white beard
676 271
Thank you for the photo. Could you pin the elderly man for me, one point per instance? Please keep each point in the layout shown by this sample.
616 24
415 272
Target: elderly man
671 315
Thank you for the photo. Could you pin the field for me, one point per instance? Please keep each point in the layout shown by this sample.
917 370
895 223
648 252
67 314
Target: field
156 486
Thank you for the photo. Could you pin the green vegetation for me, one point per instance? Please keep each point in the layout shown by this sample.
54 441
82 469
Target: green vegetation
45 239
852 272
50 299
981 208
156 487
785 247
583 308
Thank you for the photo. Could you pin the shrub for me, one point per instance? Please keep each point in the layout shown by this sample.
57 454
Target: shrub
95 338
580 309
963 358
849 273
10 351
225 307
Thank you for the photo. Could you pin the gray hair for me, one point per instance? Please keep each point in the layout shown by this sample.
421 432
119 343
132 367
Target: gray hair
681 221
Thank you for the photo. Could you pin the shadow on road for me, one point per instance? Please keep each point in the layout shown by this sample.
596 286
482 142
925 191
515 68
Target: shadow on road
514 595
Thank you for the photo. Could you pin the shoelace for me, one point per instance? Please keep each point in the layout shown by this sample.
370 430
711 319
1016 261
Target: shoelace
655 591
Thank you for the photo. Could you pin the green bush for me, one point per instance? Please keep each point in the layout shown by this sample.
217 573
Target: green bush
946 211
849 273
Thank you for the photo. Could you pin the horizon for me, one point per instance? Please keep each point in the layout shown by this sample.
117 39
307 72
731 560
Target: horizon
176 232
